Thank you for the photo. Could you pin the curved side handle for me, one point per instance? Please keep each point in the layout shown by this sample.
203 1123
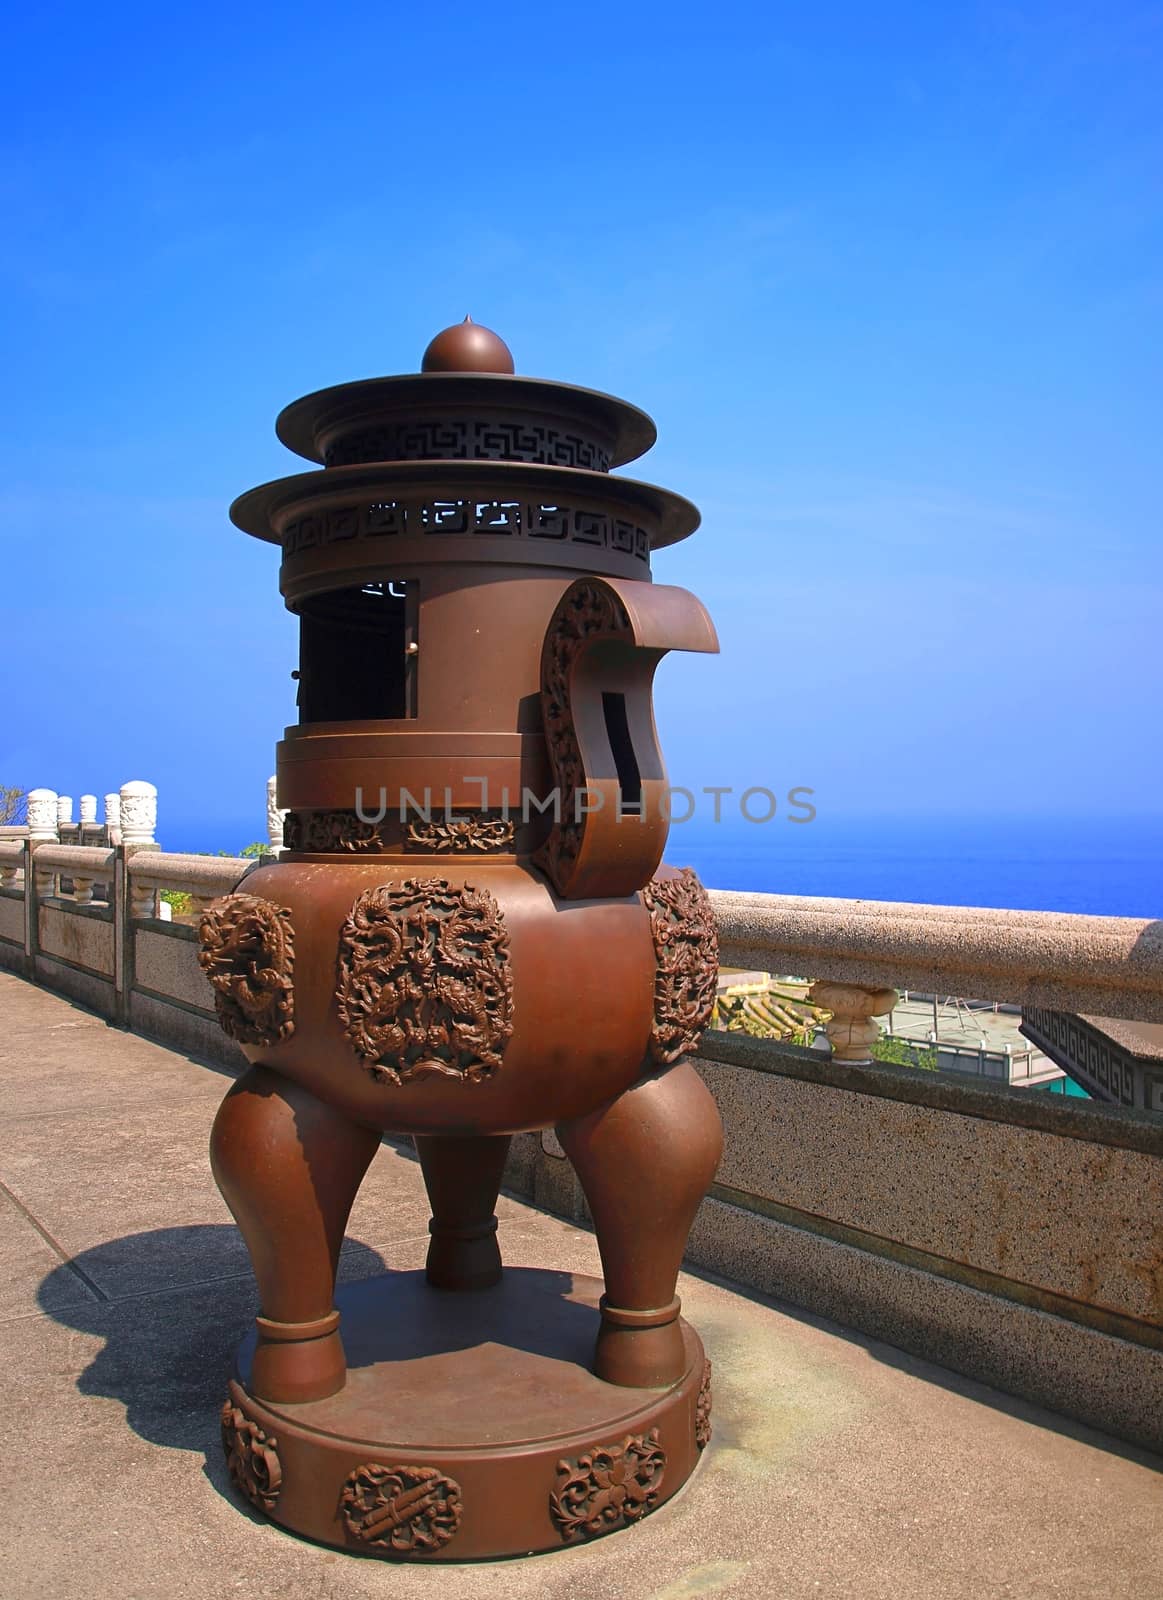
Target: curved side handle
602 645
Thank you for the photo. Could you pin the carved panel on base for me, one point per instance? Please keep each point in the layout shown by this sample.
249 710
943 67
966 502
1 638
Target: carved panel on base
425 984
251 1458
686 947
401 1510
703 1409
611 1486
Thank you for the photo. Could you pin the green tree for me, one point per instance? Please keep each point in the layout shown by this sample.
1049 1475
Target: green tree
903 1053
182 904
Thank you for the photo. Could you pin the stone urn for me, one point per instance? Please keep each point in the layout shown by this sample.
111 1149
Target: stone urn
468 935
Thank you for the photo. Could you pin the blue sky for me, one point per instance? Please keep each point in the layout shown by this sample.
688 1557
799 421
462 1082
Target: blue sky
890 280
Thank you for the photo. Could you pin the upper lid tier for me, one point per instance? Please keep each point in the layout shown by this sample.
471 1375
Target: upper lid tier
465 404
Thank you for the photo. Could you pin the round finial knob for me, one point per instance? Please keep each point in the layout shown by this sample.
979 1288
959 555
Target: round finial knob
467 347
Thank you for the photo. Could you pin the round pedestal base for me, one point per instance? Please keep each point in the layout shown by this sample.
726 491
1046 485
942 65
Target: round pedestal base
470 1426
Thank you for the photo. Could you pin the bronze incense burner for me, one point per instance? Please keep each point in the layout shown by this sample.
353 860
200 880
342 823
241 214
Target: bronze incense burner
468 935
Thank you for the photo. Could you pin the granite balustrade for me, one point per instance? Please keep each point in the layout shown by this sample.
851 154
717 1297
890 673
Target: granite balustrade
1013 1236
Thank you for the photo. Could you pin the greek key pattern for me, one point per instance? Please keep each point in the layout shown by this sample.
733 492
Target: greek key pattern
469 439
385 519
1076 1047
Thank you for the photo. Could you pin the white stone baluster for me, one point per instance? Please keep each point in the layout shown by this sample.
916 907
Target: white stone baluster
852 1031
42 815
138 812
275 817
143 901
83 887
64 810
42 829
112 818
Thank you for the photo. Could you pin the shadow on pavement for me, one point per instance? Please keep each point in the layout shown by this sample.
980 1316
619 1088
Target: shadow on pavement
169 1351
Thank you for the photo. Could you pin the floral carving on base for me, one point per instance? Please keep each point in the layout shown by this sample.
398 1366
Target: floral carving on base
404 1510
611 1486
251 1457
703 1409
588 611
248 953
332 833
425 982
686 948
480 832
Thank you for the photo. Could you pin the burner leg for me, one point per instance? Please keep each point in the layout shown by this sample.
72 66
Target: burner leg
645 1161
463 1178
289 1168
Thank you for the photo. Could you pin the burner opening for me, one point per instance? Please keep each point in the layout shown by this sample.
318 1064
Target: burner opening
357 654
622 749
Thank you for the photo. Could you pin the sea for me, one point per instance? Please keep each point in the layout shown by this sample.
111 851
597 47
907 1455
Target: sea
1029 864
1109 867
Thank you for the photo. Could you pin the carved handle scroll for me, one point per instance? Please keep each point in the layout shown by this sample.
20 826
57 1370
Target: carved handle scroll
601 648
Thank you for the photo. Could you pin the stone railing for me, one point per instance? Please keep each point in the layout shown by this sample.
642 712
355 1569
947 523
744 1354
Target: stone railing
72 870
130 817
1109 965
1010 1235
202 878
50 816
12 864
90 923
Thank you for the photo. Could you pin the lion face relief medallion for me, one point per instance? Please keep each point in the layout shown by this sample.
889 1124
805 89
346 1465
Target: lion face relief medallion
248 953
686 950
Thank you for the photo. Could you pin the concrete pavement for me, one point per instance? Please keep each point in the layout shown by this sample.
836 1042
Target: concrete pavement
839 1468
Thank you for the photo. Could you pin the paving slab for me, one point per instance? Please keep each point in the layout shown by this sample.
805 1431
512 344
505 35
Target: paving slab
28 1279
60 1062
139 1186
839 1467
